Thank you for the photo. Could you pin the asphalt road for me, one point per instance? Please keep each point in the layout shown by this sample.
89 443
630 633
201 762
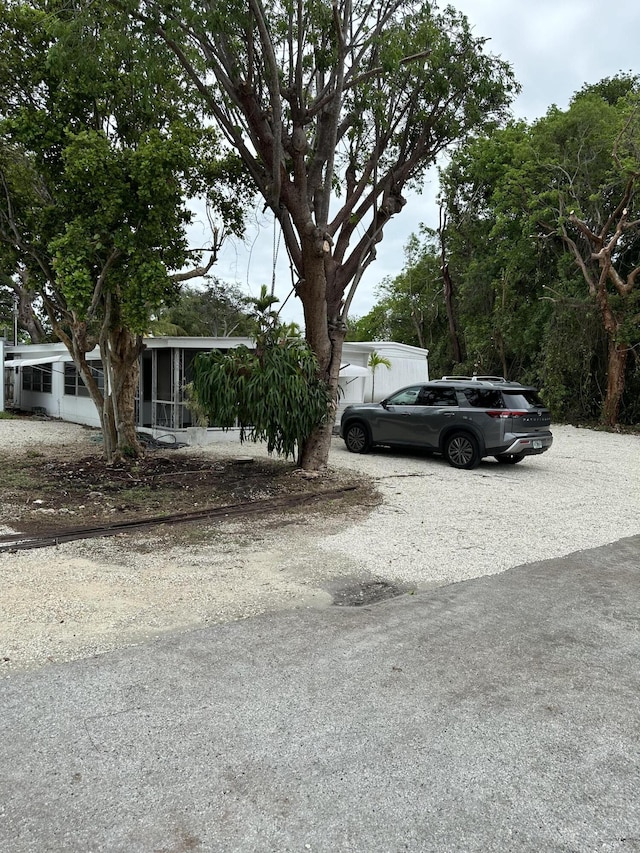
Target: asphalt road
496 714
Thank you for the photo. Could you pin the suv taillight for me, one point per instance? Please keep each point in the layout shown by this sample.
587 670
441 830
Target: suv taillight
505 413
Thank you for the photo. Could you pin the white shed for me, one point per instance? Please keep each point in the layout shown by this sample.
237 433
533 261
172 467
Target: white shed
408 365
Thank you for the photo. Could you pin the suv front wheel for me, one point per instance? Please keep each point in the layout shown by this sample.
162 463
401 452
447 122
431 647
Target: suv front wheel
356 438
461 450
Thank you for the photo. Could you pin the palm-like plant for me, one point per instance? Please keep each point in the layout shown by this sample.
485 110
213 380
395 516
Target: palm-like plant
375 360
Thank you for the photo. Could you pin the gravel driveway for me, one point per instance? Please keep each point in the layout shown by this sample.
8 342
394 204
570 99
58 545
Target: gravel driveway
436 525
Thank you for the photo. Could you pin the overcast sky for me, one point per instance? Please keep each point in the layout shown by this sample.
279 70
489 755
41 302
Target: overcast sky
554 47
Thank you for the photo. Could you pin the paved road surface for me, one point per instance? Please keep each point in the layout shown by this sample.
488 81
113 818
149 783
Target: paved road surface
496 714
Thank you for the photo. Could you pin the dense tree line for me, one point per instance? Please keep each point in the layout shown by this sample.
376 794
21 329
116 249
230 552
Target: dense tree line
534 273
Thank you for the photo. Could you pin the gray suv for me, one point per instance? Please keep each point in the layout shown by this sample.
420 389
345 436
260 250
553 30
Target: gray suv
464 418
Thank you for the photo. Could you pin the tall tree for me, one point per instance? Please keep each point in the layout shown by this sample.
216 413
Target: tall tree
99 148
335 110
592 157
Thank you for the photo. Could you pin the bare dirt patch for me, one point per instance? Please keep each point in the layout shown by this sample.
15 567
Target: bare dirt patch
45 493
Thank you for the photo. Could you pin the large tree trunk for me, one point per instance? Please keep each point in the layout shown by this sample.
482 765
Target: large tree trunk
454 336
29 320
314 453
325 338
120 351
79 343
618 352
617 363
116 403
27 317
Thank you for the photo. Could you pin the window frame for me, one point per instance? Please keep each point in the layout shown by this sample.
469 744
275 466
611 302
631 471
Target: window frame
450 401
74 385
38 379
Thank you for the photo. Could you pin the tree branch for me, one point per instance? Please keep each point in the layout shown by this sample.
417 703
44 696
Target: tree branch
99 288
196 272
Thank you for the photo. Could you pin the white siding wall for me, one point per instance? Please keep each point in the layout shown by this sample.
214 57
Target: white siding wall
57 404
403 371
351 392
409 365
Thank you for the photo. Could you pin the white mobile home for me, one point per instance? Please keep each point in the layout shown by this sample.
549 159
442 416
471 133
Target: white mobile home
43 378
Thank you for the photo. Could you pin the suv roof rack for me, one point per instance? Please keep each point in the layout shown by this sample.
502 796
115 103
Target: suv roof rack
474 378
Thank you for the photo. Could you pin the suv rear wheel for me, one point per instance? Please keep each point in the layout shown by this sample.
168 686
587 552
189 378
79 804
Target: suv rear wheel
356 438
461 450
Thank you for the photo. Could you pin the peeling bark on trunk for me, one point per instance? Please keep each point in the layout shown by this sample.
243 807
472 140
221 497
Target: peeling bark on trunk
617 363
120 352
325 338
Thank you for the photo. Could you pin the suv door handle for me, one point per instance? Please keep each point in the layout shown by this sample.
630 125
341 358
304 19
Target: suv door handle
449 414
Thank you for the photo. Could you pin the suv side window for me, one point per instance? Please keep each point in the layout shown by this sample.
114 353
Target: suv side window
484 398
431 396
406 397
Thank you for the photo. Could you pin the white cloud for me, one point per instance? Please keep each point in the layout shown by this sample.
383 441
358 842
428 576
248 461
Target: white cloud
554 48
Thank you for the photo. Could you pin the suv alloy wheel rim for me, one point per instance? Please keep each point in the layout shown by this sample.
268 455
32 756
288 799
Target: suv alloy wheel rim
357 439
461 450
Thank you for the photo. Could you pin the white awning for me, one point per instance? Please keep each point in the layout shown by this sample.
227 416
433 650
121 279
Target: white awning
31 362
350 370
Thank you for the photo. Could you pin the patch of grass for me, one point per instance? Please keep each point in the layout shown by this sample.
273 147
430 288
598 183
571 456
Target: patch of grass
7 416
18 475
